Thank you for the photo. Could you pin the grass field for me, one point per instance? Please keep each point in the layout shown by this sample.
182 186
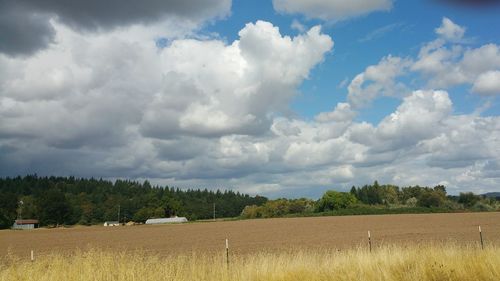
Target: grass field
432 262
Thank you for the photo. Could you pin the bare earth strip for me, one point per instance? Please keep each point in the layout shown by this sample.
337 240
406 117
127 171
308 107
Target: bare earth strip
250 236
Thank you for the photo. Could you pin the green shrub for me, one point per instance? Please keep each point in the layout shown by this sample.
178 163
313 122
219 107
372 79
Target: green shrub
334 200
251 212
482 206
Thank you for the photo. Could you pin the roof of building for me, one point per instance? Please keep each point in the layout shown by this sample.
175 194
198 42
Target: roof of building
27 221
111 222
166 220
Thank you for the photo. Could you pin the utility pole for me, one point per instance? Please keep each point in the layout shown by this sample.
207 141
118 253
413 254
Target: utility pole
118 214
214 211
20 210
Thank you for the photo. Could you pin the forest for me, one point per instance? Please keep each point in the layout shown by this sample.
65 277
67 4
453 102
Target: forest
69 200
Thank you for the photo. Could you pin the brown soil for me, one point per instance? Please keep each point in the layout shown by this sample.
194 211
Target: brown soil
250 236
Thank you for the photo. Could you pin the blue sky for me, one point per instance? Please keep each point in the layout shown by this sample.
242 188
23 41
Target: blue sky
363 40
279 98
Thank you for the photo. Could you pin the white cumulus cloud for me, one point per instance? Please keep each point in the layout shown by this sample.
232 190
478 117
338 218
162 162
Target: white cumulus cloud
377 80
487 83
209 113
450 31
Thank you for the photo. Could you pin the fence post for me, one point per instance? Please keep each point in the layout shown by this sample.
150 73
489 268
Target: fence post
370 240
227 253
32 256
481 236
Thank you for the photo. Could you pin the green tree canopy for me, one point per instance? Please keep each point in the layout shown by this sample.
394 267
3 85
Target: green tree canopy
70 200
468 199
334 200
53 208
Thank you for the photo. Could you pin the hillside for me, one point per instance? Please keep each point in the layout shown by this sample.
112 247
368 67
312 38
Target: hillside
492 194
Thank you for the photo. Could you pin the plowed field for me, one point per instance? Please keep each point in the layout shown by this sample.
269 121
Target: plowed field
249 236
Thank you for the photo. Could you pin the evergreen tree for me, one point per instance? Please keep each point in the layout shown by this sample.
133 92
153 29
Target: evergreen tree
53 208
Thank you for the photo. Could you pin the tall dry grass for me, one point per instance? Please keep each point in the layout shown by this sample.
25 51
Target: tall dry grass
439 262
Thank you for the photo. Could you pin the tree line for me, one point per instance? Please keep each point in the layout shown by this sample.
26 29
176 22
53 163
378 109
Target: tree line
70 200
375 199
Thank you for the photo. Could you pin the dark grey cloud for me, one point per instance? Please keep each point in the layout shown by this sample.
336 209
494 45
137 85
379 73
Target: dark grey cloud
96 14
23 31
33 157
181 149
25 25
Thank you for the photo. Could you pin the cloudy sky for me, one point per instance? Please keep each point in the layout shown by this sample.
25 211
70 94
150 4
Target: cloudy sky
275 97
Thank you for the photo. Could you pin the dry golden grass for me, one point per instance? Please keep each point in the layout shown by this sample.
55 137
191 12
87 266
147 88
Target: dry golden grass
431 262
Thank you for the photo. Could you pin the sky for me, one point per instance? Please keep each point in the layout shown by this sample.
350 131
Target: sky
282 98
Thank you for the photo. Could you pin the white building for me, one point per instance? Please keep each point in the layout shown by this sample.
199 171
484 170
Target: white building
167 220
25 224
111 223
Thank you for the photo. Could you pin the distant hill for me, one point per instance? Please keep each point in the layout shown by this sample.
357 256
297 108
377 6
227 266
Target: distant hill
492 194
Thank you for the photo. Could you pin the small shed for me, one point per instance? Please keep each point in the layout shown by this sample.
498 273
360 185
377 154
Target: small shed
167 220
25 224
111 223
